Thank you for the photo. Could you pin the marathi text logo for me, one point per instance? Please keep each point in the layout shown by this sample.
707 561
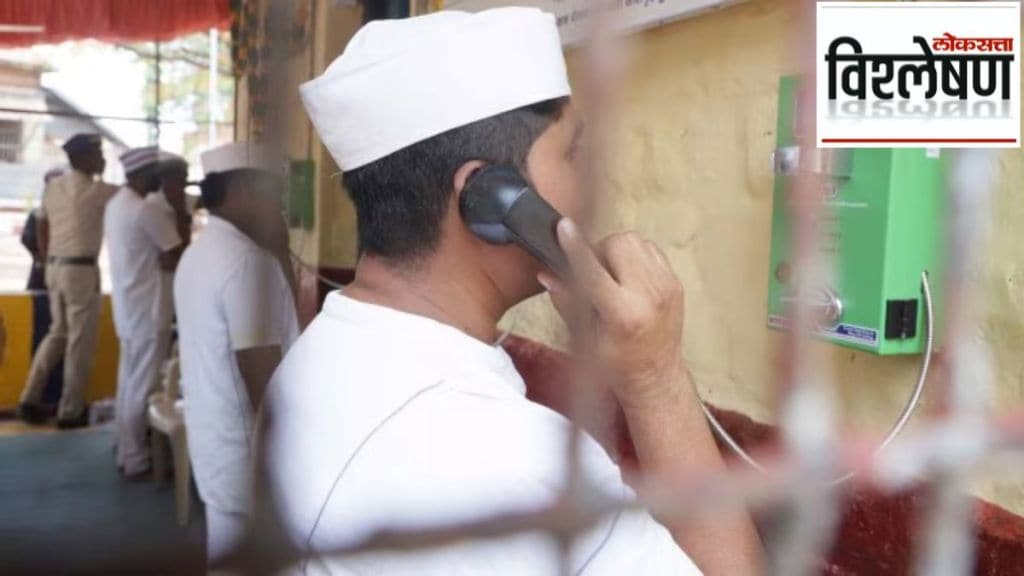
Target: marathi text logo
959 67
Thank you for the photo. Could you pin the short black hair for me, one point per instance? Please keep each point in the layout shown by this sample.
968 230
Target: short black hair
168 170
401 199
149 176
83 155
213 188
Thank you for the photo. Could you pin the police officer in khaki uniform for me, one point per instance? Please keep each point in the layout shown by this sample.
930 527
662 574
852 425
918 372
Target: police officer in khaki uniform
70 235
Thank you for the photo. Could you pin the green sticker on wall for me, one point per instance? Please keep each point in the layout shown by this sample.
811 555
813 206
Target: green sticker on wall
301 194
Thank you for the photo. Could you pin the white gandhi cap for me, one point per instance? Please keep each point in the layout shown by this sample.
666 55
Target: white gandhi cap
170 159
402 81
239 156
136 159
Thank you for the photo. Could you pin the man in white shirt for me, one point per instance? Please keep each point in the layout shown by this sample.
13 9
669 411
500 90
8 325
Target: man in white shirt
172 203
236 319
172 199
142 243
394 410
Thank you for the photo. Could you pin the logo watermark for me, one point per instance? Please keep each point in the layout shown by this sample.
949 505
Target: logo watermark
912 74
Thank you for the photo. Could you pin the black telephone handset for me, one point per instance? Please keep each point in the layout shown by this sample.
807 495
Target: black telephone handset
501 207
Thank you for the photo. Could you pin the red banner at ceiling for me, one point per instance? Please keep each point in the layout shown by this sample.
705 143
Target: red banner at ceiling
111 20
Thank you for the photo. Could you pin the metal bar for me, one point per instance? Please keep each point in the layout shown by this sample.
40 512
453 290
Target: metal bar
312 72
212 80
947 548
805 411
21 29
156 89
697 493
150 120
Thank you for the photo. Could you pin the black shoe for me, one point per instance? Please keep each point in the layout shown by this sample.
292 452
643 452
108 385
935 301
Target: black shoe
31 413
80 421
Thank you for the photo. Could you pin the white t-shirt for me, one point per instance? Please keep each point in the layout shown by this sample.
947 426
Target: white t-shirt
229 295
137 233
383 419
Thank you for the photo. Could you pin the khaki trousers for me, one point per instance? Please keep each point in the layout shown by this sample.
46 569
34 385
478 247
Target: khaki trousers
74 311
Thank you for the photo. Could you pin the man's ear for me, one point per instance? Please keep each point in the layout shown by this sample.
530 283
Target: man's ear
464 173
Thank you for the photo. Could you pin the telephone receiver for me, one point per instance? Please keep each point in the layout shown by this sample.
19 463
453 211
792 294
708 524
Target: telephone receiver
500 207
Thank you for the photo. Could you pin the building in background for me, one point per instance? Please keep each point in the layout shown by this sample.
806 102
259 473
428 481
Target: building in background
34 122
179 94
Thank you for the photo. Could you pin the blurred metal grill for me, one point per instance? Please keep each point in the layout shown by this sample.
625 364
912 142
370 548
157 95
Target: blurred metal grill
796 482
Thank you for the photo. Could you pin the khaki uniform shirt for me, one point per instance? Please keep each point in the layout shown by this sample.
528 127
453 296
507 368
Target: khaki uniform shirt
73 205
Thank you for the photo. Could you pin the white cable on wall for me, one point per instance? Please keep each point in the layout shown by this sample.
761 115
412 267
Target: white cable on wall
297 258
904 416
315 272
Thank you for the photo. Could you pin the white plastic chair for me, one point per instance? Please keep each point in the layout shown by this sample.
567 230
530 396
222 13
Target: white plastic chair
165 415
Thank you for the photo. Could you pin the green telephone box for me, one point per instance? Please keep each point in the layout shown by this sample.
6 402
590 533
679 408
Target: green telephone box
301 194
882 226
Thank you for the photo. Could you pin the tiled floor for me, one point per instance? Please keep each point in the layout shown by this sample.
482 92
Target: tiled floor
64 509
14 427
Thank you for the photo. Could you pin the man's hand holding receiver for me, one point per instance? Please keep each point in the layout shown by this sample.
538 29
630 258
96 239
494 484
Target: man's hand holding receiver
625 308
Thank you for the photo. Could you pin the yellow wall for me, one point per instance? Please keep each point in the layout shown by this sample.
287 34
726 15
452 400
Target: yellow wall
690 169
16 353
337 239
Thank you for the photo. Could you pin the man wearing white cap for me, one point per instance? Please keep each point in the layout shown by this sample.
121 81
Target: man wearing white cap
142 243
172 171
171 202
235 306
394 410
70 232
